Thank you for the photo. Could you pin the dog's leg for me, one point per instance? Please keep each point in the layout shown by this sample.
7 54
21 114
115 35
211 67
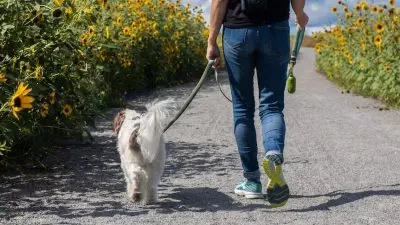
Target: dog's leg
133 183
153 178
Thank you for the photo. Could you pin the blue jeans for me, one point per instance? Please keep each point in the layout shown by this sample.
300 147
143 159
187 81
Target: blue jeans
267 49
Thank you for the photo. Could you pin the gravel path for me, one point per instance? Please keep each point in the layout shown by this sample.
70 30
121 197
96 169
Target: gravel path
342 165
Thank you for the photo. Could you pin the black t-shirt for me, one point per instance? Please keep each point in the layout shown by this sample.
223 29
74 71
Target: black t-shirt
278 10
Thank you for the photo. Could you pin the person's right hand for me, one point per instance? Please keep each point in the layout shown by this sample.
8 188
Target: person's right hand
302 19
213 54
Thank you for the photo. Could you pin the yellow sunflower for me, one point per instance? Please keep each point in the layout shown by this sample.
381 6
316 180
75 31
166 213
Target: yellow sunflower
334 9
44 109
378 42
91 30
119 20
392 3
349 15
360 21
374 9
365 7
127 31
21 100
379 27
85 39
358 7
318 48
52 97
387 68
346 9
67 110
381 10
3 78
39 72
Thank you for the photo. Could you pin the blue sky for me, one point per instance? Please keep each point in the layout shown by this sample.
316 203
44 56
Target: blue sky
318 11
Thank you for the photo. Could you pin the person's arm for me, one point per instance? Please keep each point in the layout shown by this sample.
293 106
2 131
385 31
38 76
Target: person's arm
298 8
218 10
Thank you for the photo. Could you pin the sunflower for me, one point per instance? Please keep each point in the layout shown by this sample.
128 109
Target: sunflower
3 78
346 9
349 15
392 3
366 32
339 2
334 10
365 7
381 10
126 31
387 68
358 7
39 72
21 100
85 39
44 109
379 27
378 42
52 97
91 30
119 20
375 9
318 48
360 21
67 110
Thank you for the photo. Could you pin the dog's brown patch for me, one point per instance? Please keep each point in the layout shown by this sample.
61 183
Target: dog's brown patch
118 120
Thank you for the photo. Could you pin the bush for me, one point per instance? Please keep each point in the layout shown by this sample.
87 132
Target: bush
61 62
361 53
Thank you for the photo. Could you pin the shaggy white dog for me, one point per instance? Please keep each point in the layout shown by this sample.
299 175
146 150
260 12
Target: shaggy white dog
142 149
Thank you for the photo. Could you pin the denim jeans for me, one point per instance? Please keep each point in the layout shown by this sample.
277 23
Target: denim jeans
264 48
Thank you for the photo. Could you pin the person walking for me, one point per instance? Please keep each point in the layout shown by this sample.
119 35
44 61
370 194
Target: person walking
256 35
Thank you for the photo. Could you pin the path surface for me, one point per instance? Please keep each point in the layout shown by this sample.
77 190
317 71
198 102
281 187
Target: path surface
342 166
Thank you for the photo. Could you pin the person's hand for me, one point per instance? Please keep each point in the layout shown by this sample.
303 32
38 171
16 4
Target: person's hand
302 19
213 54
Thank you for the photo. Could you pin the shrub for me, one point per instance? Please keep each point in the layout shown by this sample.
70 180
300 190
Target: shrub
361 53
61 62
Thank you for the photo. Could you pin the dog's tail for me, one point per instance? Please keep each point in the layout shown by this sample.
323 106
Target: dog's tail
152 125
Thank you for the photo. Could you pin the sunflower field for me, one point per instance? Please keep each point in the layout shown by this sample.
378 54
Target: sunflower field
362 52
63 61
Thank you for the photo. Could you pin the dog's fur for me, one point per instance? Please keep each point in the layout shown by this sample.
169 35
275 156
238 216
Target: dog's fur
142 149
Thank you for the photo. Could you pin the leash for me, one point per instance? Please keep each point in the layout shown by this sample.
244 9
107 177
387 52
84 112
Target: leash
192 95
291 79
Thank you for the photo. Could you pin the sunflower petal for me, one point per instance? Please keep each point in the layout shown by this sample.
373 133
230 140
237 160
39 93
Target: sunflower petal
27 99
15 114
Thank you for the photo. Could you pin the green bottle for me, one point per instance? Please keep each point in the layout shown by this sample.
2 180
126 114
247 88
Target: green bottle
291 83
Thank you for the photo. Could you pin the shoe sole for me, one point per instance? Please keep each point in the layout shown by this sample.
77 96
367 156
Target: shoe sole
278 192
249 195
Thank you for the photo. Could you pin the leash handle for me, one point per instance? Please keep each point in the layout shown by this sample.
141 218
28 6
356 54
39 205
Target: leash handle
297 45
192 95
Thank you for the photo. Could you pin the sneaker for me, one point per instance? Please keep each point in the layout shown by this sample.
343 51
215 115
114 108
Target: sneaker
277 189
249 189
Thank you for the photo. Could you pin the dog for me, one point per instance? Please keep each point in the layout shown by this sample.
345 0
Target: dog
142 148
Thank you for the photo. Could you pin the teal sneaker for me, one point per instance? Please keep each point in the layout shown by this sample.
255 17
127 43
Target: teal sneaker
277 189
249 189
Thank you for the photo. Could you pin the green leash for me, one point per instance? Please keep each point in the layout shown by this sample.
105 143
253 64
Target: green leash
192 95
291 81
